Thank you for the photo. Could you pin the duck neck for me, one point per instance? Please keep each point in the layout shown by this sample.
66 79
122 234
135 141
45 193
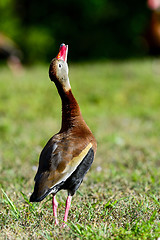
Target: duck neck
70 109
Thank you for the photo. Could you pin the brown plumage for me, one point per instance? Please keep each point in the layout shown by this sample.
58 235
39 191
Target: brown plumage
68 155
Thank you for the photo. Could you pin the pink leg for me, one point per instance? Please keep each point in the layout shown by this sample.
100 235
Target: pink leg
55 205
68 204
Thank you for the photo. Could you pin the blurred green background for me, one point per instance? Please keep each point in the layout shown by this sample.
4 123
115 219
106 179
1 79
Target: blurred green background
93 29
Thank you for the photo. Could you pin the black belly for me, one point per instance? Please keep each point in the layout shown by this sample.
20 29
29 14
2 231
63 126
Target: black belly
76 178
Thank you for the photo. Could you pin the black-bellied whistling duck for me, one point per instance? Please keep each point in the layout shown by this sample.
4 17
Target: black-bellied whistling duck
153 31
68 155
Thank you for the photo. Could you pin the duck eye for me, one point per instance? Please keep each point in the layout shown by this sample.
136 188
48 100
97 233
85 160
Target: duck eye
60 65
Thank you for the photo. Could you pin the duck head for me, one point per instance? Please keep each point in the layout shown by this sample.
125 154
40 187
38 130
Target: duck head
58 70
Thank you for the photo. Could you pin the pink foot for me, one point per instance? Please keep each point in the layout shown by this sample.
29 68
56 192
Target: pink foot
64 225
55 205
68 204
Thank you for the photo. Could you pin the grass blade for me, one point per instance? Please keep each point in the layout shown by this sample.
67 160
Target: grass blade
13 208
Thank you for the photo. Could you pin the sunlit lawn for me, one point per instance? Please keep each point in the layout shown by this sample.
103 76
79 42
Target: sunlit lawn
119 198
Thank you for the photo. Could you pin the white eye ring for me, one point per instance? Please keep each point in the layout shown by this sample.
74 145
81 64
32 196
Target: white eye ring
60 65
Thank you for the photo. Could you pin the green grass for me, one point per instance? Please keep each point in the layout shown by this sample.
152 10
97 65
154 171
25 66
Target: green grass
119 198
